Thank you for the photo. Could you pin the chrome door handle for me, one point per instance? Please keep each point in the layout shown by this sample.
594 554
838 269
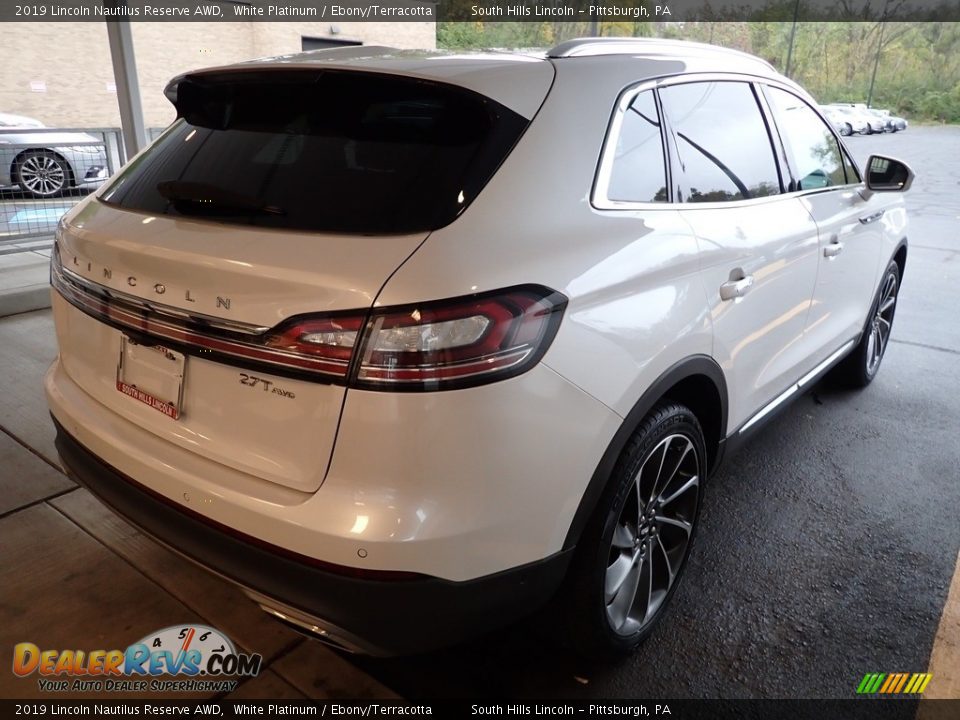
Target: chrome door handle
732 289
867 219
833 249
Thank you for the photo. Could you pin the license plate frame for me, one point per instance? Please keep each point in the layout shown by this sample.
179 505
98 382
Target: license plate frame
152 374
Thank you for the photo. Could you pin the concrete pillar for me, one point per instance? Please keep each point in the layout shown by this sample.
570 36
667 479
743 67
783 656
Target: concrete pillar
128 87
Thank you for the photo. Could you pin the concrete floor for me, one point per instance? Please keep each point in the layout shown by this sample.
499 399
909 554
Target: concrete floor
826 548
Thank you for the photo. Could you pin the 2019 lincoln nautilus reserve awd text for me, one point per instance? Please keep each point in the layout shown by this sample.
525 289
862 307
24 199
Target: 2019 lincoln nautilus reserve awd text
411 344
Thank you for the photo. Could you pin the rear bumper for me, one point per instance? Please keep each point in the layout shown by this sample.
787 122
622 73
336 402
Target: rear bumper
379 617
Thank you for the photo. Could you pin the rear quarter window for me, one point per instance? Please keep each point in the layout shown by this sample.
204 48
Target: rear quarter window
638 171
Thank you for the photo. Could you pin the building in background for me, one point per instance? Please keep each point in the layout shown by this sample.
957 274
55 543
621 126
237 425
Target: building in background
60 73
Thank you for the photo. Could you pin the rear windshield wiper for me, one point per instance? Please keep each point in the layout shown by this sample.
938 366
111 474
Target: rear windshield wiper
203 197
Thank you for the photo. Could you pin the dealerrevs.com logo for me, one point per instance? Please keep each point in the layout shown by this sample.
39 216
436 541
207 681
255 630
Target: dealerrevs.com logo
203 655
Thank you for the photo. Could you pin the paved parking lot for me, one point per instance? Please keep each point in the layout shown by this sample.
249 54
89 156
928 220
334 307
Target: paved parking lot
827 547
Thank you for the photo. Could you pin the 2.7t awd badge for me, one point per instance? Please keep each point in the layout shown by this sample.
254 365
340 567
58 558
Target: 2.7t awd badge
267 385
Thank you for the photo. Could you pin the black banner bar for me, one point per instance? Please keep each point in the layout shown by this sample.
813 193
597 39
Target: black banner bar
859 709
478 10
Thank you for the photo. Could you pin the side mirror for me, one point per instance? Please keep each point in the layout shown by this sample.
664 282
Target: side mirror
886 174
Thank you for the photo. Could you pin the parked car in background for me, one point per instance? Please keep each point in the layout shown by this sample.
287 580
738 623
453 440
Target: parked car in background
46 163
875 123
884 117
410 364
842 122
858 123
894 122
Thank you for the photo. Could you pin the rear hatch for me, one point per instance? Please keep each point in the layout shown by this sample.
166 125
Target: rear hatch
211 293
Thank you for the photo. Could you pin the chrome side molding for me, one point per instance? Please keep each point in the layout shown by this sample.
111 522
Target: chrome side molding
796 387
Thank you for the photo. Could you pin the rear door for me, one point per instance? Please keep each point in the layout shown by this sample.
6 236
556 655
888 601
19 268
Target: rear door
828 185
758 247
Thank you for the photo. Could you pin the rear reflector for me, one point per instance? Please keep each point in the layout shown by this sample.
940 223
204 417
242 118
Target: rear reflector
431 346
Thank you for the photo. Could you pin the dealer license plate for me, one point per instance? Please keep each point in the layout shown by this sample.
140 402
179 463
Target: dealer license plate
152 374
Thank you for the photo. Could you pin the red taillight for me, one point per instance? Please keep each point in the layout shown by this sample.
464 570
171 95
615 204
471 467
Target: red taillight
432 346
329 341
455 343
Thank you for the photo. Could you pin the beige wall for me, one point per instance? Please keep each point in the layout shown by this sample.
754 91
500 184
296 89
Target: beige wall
72 60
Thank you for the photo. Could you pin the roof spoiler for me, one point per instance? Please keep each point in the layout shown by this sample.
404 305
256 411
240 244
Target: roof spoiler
295 61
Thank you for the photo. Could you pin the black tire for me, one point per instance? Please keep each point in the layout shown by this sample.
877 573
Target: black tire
42 173
860 367
673 431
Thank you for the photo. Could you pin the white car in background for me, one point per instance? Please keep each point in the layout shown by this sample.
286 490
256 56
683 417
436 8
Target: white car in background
874 123
408 344
845 123
46 163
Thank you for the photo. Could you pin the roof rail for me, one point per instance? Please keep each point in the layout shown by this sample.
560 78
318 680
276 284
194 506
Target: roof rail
584 47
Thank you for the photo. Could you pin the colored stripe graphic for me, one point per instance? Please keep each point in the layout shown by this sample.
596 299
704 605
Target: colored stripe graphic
901 683
912 683
893 683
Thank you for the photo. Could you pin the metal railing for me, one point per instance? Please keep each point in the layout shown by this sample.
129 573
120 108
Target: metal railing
44 172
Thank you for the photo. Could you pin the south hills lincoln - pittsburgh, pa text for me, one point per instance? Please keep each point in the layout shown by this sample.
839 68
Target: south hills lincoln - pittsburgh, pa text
594 11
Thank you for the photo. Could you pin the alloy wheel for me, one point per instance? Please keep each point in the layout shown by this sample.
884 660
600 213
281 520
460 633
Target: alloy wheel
42 175
881 324
652 534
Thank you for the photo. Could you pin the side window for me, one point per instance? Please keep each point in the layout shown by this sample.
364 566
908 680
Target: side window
638 173
722 141
815 155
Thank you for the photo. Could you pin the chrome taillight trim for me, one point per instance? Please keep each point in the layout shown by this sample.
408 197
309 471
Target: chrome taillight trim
195 334
498 362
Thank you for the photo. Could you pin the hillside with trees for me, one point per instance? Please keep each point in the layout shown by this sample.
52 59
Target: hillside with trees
917 64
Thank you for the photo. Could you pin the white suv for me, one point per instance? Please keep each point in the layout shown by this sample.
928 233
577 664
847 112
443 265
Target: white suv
406 344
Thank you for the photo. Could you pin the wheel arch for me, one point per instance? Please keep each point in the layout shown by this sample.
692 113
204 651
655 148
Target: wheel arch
697 382
900 256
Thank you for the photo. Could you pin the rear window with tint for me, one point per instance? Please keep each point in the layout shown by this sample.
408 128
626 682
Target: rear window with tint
327 151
